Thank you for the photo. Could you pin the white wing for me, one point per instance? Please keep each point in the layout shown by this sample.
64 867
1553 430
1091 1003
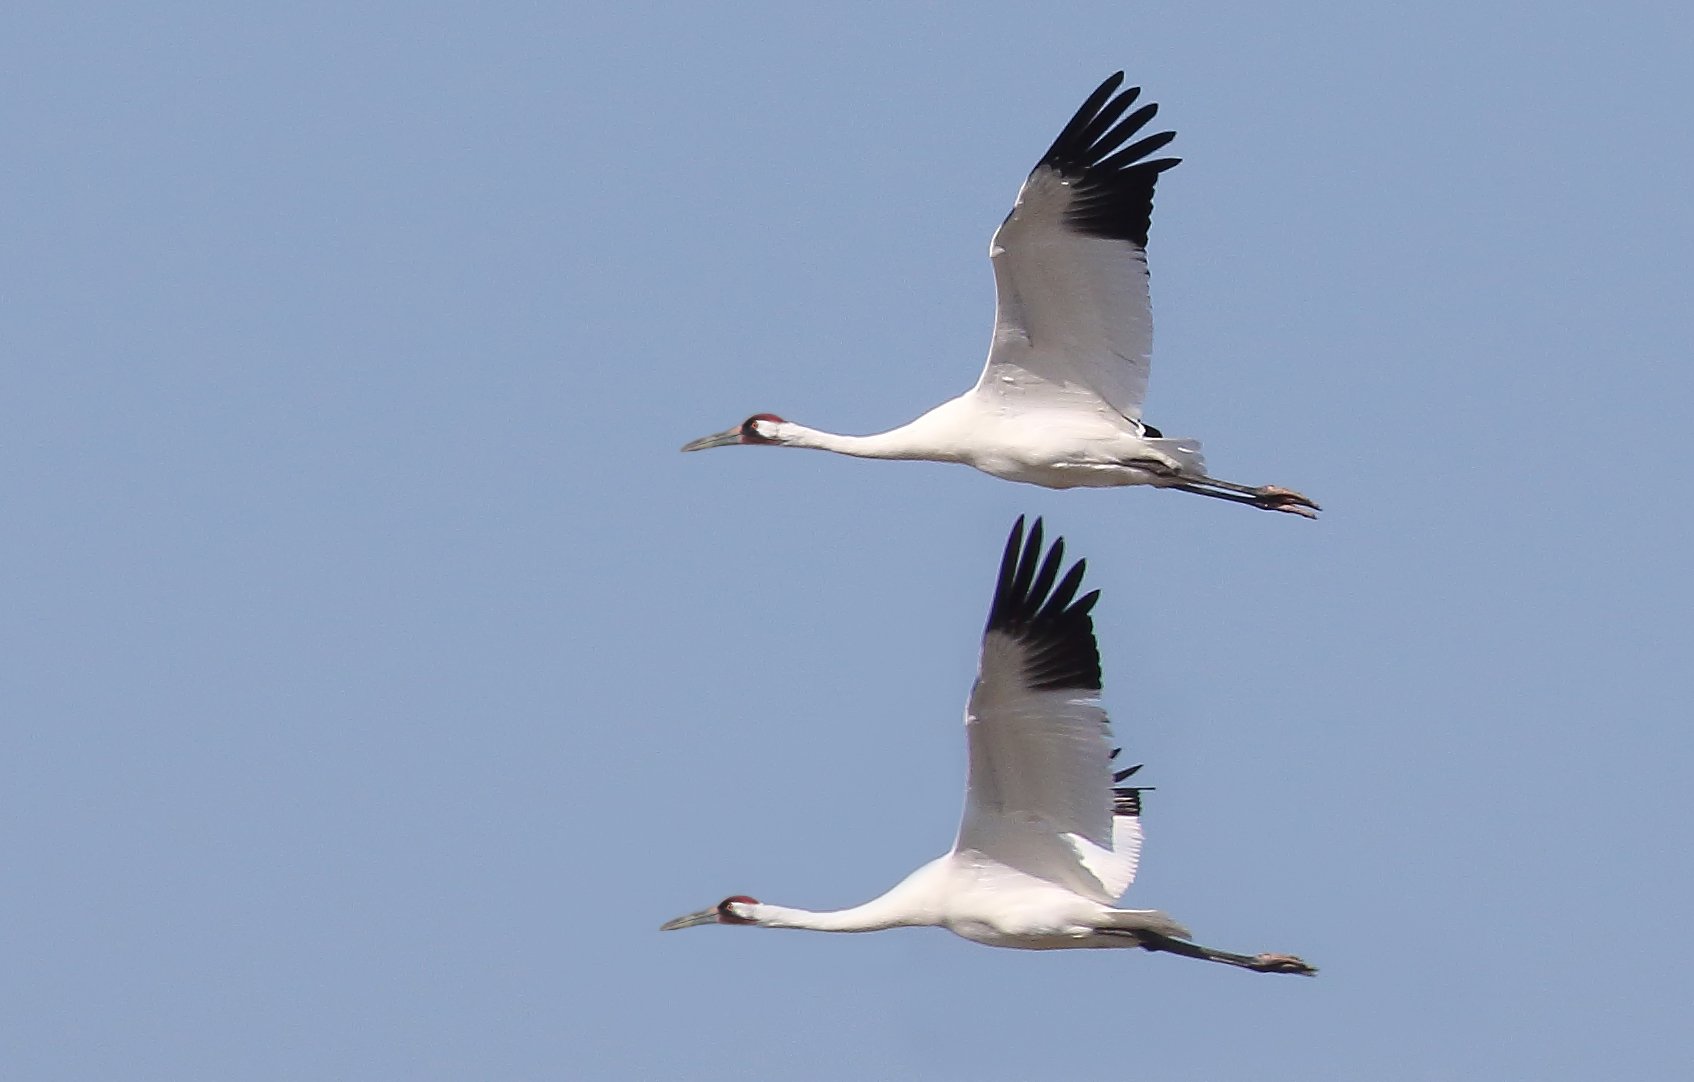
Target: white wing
1074 322
1040 795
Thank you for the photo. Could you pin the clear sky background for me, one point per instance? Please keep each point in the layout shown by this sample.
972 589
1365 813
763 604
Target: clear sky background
377 675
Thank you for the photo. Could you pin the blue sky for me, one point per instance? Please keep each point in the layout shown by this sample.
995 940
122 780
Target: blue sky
379 676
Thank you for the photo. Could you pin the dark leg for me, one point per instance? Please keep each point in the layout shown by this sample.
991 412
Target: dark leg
1259 963
1265 497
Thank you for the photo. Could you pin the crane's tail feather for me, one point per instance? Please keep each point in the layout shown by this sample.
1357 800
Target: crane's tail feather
1185 452
1147 920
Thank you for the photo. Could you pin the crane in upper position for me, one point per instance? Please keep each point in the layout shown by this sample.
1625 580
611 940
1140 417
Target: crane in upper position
1059 402
1051 836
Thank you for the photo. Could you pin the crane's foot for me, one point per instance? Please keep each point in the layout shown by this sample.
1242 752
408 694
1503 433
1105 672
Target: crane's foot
1275 498
1282 963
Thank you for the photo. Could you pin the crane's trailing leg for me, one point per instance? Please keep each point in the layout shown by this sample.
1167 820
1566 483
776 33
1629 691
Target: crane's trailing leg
1259 963
1264 497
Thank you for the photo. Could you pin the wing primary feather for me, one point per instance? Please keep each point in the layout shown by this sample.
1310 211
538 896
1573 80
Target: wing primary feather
1086 112
1098 131
1118 136
1085 603
1139 149
1043 584
1055 631
1026 564
1112 188
1066 593
1008 573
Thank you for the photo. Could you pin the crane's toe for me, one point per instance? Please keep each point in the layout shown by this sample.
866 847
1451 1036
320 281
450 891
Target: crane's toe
1283 963
1276 498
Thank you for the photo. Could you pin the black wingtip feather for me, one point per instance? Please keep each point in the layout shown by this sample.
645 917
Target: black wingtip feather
1126 800
1073 131
1056 630
1114 187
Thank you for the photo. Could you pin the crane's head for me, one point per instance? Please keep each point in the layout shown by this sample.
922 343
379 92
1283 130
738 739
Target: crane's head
759 428
736 909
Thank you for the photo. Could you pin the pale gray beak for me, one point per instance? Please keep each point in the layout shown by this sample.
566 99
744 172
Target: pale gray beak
705 916
722 439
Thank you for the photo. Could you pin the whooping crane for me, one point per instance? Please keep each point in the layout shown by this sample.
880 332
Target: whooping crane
1059 402
1051 837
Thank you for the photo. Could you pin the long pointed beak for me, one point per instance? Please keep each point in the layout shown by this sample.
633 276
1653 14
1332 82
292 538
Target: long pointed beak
705 916
722 439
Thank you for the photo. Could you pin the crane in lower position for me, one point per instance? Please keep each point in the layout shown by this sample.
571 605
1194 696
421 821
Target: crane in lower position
1059 402
1051 835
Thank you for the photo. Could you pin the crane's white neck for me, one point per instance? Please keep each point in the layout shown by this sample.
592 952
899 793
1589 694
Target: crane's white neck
869 917
905 442
910 903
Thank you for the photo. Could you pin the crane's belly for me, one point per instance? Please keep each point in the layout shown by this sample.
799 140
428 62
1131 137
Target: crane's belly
1072 474
1055 456
1048 940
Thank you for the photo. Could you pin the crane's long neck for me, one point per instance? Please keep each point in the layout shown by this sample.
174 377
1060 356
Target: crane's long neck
908 442
904 906
860 918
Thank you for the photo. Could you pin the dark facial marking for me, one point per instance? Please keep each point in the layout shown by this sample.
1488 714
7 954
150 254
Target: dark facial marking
729 917
750 428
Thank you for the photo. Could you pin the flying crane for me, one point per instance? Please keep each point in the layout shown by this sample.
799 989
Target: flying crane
1059 402
1051 835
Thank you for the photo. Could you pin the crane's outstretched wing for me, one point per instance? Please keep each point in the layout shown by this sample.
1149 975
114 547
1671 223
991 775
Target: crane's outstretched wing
1040 795
1074 323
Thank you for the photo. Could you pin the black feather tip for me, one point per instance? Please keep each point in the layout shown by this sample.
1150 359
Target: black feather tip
1040 610
1127 802
1113 185
1126 799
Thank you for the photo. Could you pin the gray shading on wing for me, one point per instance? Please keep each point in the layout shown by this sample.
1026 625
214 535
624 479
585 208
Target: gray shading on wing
1042 796
1074 321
